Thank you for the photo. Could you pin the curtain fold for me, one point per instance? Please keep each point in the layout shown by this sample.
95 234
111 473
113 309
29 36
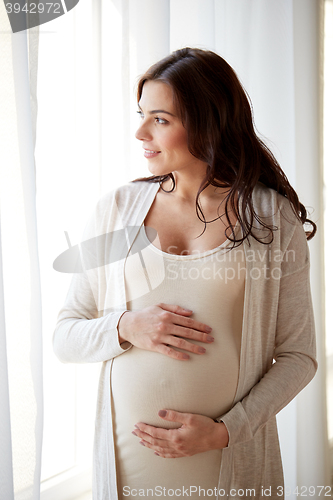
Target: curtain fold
20 299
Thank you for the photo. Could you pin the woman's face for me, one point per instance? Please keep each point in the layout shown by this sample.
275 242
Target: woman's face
163 136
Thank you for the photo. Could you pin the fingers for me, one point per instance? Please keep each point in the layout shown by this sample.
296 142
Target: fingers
192 324
177 416
171 353
187 327
161 441
167 348
171 416
181 343
189 333
161 451
169 335
166 443
168 455
157 433
175 309
181 314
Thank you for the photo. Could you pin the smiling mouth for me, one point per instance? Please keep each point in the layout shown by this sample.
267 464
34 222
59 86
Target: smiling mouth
150 151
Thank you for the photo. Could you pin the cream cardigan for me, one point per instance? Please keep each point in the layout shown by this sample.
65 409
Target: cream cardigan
278 325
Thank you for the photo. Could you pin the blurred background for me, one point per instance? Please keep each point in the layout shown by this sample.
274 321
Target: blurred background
67 124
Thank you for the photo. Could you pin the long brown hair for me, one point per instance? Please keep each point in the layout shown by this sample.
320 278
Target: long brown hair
217 115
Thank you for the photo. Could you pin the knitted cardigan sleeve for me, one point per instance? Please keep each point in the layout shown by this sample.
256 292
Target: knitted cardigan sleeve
85 331
295 348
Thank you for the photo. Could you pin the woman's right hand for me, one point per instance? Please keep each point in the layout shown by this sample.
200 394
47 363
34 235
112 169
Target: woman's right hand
159 327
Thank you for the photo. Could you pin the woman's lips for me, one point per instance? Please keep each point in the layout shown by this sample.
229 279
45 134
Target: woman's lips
148 153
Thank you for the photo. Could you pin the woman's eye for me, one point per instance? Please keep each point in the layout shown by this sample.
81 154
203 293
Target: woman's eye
157 119
160 120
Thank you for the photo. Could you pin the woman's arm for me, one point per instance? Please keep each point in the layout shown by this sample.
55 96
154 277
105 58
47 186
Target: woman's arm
80 335
295 343
295 363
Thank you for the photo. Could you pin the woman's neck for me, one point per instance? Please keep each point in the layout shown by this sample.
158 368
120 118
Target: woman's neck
187 187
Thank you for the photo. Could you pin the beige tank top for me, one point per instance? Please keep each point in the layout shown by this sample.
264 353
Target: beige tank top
211 284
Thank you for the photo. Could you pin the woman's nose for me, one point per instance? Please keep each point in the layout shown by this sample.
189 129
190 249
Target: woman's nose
142 133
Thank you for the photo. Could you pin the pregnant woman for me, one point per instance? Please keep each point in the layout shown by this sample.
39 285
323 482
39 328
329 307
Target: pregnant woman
195 296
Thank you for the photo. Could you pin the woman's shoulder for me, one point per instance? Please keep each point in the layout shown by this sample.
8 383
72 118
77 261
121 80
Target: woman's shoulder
271 204
129 193
119 207
123 205
268 198
275 209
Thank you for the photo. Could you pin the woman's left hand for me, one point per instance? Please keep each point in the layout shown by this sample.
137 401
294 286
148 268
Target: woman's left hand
196 435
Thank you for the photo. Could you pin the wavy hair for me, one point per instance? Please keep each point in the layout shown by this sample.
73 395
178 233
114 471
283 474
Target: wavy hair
217 115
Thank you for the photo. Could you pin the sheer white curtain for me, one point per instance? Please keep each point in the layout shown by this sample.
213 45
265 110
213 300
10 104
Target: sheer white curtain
20 301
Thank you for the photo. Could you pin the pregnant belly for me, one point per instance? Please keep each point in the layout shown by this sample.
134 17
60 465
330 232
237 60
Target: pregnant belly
145 382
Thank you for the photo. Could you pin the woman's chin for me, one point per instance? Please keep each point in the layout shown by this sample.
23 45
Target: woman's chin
157 171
